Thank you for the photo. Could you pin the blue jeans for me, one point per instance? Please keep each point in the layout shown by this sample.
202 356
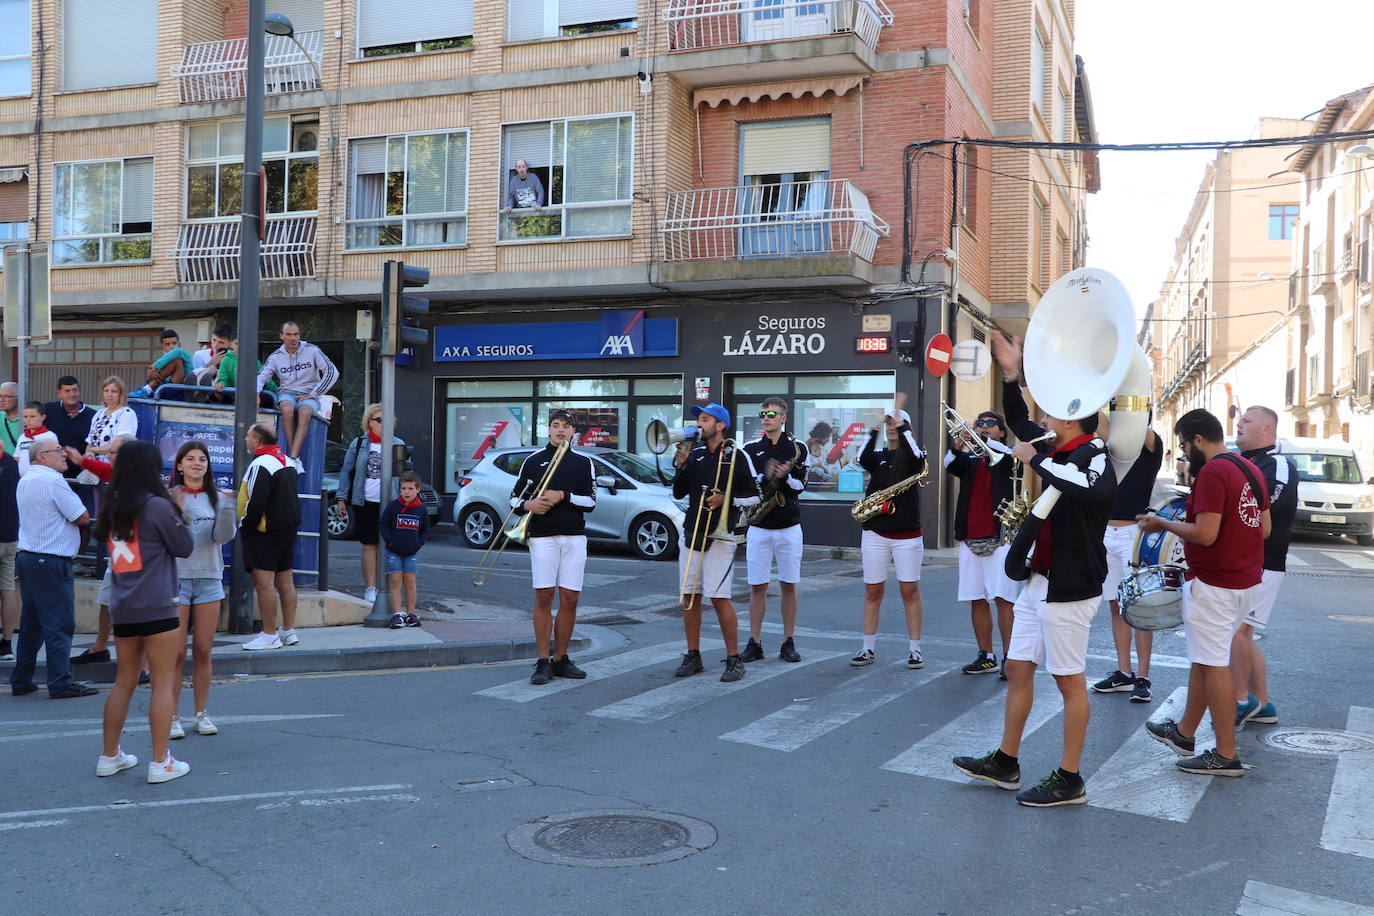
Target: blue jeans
48 616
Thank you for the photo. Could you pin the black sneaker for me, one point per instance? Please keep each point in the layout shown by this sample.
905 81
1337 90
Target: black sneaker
752 652
1116 682
734 669
1211 763
1141 692
983 664
1166 733
543 672
788 651
691 664
1055 789
864 657
914 659
566 667
986 768
88 657
6 651
1002 669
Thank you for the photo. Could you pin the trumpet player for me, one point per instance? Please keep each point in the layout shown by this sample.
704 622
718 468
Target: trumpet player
558 546
707 474
892 537
776 536
983 581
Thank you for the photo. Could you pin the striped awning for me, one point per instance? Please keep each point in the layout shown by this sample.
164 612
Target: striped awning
716 96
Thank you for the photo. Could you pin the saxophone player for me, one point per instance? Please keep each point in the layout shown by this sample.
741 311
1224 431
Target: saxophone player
776 535
893 536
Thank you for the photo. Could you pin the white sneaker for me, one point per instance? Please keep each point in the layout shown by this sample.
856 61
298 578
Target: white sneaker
177 731
370 594
204 726
915 659
263 641
108 766
167 770
288 637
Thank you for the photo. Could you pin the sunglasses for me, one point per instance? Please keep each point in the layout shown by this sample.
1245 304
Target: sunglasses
987 422
770 414
375 420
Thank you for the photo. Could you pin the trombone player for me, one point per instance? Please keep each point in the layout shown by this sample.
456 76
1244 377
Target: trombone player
720 481
556 489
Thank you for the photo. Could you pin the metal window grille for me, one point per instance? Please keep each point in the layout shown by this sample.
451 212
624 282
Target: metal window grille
209 252
697 24
213 71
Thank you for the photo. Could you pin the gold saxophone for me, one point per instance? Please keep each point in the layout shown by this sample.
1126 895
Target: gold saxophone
872 505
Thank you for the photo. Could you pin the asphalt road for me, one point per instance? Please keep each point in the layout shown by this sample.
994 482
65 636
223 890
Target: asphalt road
823 787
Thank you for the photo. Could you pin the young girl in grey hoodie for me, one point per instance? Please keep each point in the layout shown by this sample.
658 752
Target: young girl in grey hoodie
200 577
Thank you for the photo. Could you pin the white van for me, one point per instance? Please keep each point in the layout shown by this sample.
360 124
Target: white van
1334 497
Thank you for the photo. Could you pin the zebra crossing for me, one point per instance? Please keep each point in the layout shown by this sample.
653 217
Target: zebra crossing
1138 778
1308 557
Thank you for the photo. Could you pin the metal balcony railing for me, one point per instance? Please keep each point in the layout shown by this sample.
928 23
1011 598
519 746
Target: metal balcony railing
209 252
213 71
697 24
789 219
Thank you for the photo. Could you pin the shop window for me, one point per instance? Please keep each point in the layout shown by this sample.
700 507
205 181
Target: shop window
103 212
214 167
491 388
409 191
584 388
583 178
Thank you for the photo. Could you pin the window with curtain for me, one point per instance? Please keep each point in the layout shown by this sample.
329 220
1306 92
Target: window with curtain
103 211
15 33
386 28
585 167
532 19
97 56
214 167
409 191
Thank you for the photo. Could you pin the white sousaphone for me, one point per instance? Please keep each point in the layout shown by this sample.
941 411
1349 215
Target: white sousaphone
1081 355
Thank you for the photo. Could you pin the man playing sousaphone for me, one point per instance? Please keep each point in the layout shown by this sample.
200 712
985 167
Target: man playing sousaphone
775 532
892 535
720 481
557 542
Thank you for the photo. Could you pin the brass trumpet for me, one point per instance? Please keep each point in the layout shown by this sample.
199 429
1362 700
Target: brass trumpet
702 531
1012 512
520 533
960 430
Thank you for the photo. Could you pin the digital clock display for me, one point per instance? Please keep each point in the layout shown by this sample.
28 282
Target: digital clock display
872 343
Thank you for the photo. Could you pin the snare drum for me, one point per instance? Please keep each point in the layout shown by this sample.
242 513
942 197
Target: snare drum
1151 597
1161 548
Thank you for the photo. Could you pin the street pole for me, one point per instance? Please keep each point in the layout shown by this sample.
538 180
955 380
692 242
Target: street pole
380 615
25 323
250 276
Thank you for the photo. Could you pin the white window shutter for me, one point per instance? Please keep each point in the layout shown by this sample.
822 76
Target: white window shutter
136 202
386 22
457 172
529 142
786 148
579 12
596 164
525 19
305 15
369 156
96 56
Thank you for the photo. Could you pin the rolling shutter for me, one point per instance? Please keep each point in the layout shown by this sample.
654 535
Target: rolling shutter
136 201
305 15
14 201
96 56
579 12
529 142
385 22
785 148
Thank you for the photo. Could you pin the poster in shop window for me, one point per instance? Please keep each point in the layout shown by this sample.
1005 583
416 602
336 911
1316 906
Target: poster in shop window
598 426
834 437
483 428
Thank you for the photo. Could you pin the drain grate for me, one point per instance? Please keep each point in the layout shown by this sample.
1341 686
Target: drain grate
484 784
1323 742
611 838
610 620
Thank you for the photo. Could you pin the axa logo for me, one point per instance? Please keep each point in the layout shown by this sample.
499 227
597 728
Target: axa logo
618 345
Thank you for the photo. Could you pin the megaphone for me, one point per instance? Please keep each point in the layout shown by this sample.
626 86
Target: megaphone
660 437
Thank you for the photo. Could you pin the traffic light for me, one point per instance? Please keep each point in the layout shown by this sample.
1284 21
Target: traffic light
396 306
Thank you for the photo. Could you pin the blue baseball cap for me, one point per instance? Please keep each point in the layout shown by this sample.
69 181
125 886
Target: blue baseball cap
715 410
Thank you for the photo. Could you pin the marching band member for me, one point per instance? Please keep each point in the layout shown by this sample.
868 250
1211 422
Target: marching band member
1052 617
1224 531
982 555
706 562
1255 438
1133 495
893 537
782 463
558 546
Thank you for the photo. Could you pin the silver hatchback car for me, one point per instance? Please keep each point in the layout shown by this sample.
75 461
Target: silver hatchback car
632 504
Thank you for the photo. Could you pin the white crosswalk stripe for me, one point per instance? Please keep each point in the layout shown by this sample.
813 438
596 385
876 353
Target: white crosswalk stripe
1353 559
1142 778
804 721
1347 827
1262 899
522 691
688 693
1294 560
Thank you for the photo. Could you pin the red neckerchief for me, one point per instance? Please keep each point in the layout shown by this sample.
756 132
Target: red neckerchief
374 438
34 434
409 505
187 488
274 451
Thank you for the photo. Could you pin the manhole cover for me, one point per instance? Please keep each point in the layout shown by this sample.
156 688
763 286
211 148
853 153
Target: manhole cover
1324 742
611 839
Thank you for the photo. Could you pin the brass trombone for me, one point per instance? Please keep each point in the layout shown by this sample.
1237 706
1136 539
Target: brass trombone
520 533
701 528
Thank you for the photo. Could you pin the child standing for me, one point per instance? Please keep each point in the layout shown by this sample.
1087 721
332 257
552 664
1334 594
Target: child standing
404 527
34 431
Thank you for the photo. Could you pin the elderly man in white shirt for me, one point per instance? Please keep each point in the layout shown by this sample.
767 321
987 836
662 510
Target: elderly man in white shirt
50 520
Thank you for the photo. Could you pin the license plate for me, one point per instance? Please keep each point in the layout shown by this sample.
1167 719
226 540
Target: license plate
1329 519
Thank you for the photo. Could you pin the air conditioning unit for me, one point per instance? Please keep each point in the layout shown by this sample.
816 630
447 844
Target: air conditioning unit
305 137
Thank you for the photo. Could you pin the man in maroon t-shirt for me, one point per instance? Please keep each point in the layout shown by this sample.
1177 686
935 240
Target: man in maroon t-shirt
1224 531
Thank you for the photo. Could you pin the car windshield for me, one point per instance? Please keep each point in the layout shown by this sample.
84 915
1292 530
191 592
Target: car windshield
1326 468
635 467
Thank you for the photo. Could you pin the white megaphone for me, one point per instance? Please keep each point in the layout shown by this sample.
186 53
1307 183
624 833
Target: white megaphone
660 437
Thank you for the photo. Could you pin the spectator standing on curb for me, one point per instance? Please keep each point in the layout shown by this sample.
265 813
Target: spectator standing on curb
11 419
269 514
210 516
360 491
304 373
9 545
145 534
50 520
404 525
35 431
71 419
116 418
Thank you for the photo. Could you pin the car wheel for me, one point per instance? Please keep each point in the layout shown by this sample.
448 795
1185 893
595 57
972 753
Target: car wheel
653 537
338 524
1364 540
478 525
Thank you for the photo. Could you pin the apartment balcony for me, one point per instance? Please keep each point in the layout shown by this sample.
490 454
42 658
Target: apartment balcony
802 230
209 252
214 71
724 42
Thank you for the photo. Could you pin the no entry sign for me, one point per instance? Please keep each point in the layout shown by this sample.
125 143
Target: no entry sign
938 353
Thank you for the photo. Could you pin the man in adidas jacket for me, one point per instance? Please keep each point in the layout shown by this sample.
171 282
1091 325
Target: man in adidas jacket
269 515
304 373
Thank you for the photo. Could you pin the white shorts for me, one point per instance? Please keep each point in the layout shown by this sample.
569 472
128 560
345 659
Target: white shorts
985 578
1120 544
1266 593
558 560
768 544
1211 616
1051 633
880 554
714 567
